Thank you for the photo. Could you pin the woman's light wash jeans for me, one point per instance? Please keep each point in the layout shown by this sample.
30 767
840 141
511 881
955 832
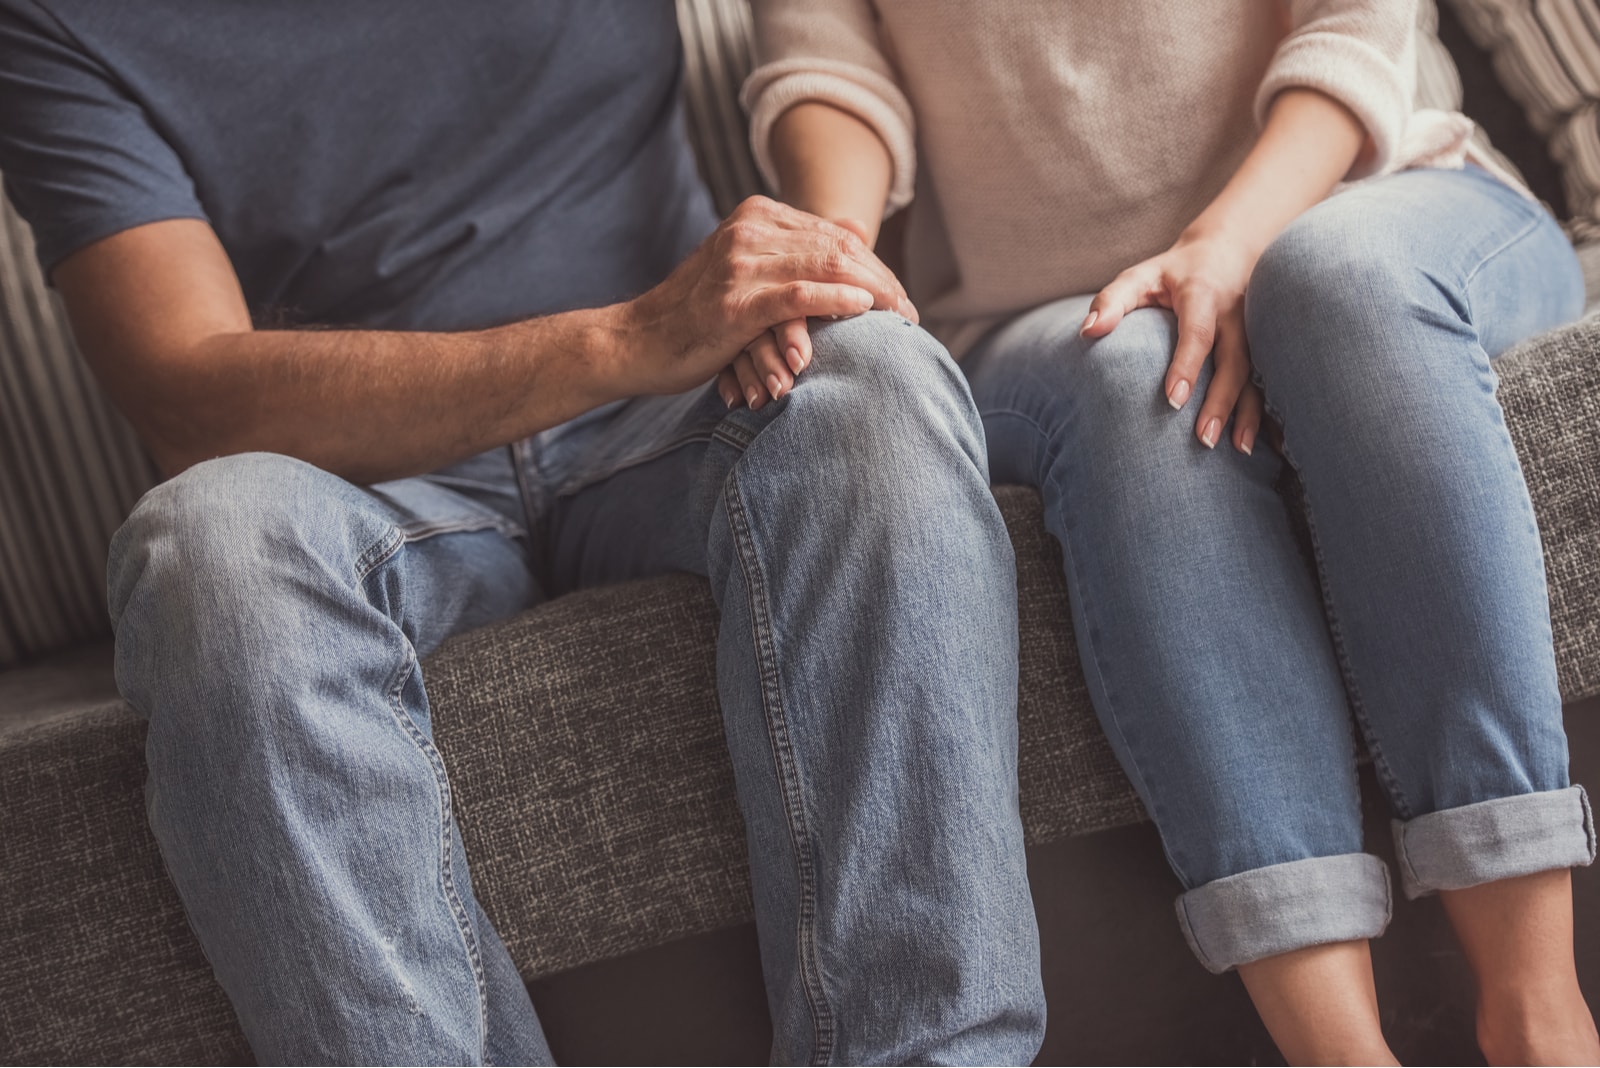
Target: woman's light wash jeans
270 619
1225 677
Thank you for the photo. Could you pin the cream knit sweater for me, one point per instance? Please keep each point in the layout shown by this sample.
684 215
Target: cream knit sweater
1045 145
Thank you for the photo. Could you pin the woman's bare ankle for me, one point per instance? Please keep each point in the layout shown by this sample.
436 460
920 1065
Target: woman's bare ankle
1544 1027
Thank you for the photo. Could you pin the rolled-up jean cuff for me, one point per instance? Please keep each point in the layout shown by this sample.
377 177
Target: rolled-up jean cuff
1491 840
1283 907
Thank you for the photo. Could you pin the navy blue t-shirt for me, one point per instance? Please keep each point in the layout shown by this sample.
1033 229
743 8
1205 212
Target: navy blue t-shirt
403 164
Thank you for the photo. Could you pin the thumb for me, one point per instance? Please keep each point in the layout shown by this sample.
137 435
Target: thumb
1133 288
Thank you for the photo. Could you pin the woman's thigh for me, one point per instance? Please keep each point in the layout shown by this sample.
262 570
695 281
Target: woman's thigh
1196 615
1373 322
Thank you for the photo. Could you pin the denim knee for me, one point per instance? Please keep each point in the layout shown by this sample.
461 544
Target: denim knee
218 576
882 421
207 537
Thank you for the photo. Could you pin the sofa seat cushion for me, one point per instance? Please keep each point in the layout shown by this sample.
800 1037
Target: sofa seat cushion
584 743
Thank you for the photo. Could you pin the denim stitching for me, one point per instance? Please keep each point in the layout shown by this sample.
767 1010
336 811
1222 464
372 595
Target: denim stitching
446 875
378 554
788 778
1391 782
1187 926
1141 779
1588 821
433 528
1408 871
589 477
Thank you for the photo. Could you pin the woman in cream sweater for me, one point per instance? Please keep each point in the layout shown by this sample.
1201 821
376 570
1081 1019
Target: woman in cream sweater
1154 233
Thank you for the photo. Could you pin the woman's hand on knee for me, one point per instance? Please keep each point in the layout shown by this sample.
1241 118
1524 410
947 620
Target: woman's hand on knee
1202 281
767 368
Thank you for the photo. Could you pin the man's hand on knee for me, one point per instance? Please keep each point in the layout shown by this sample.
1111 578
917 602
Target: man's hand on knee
766 268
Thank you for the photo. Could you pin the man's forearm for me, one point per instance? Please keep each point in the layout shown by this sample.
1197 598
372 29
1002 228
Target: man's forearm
161 317
375 405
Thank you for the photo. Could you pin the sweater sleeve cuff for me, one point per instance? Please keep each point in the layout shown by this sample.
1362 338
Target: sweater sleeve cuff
1355 74
776 87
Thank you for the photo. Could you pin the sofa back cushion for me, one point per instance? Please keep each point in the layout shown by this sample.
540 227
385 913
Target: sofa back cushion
70 467
1547 55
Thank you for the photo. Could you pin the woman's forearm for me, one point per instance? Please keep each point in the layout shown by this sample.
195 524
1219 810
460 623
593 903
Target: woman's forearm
832 164
1309 143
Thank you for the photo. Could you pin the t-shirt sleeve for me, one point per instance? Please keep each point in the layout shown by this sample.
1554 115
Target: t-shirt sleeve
80 157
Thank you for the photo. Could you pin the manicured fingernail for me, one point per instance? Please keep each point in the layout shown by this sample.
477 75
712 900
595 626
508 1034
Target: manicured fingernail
864 299
1089 321
729 397
750 396
1179 393
1209 434
792 358
1247 442
774 386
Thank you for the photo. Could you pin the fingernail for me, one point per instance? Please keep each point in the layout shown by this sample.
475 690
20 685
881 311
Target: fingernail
750 396
1089 321
774 386
1179 393
864 299
792 358
728 397
1247 442
1209 434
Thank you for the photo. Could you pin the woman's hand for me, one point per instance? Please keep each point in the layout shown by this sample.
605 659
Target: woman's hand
766 369
1201 279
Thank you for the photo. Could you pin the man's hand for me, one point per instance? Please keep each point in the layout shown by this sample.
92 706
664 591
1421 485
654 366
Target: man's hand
159 313
768 265
767 367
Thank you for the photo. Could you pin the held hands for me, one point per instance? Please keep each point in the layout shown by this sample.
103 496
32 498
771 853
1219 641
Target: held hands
766 369
765 268
1202 279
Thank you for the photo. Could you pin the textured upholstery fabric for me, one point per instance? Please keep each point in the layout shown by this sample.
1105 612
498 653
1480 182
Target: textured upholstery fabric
1552 405
596 797
584 745
582 739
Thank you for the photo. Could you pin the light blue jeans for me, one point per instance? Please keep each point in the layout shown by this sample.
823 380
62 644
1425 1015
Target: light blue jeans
270 619
1226 667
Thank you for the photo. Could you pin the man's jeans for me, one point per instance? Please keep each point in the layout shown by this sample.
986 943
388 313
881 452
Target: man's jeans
270 619
1225 689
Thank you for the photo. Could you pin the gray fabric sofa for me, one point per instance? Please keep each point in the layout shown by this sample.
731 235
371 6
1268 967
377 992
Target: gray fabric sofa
584 746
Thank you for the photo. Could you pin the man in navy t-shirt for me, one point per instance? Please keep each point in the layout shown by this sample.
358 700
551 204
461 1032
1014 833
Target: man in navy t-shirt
418 306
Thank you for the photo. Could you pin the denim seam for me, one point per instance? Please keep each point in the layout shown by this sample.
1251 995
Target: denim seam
424 531
1193 939
446 841
376 555
1408 873
1588 821
1391 782
787 773
1466 282
1141 779
584 479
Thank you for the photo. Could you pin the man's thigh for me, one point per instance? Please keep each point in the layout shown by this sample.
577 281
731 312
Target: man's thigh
640 489
283 543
